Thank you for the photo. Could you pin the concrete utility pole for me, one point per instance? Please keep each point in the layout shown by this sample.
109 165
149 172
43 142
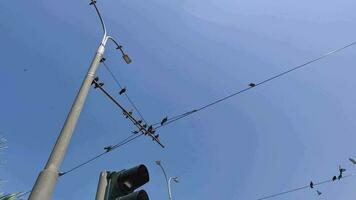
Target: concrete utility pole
102 185
46 181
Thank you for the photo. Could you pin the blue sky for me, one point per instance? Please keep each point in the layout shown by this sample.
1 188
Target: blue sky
185 54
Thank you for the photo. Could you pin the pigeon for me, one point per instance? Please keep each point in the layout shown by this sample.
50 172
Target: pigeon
353 161
103 59
108 148
341 170
150 129
156 137
252 84
139 121
122 91
319 193
311 184
164 120
96 79
127 114
334 178
153 131
339 177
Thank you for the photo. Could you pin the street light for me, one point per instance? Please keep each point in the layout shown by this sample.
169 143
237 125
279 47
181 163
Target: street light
46 181
168 181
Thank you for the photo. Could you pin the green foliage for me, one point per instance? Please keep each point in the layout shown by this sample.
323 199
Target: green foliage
10 196
2 144
13 196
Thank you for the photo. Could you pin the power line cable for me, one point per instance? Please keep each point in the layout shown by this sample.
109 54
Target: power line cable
121 87
112 147
301 188
121 143
251 85
149 131
178 117
181 116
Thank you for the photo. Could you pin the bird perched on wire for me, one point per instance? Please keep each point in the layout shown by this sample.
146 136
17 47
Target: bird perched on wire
157 137
341 171
122 91
127 114
164 120
96 79
151 130
143 127
334 178
92 2
108 148
352 160
311 185
252 84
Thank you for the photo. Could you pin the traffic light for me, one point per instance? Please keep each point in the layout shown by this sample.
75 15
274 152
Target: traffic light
122 184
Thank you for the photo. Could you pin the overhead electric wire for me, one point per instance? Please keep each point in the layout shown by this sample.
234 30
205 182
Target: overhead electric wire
178 117
117 145
128 115
121 87
186 114
113 147
301 188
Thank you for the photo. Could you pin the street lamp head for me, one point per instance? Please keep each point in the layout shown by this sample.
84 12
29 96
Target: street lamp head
158 162
127 58
124 55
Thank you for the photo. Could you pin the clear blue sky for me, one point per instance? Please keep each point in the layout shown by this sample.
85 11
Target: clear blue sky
185 53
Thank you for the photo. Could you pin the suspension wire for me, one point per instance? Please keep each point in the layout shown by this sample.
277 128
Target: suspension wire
111 148
301 188
178 117
119 144
121 87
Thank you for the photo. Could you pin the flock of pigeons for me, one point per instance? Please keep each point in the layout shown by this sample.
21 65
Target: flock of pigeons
334 178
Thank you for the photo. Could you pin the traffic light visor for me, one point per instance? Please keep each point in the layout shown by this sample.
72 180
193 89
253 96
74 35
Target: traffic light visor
131 179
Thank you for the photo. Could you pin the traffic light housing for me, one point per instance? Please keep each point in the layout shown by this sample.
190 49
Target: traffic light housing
122 184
